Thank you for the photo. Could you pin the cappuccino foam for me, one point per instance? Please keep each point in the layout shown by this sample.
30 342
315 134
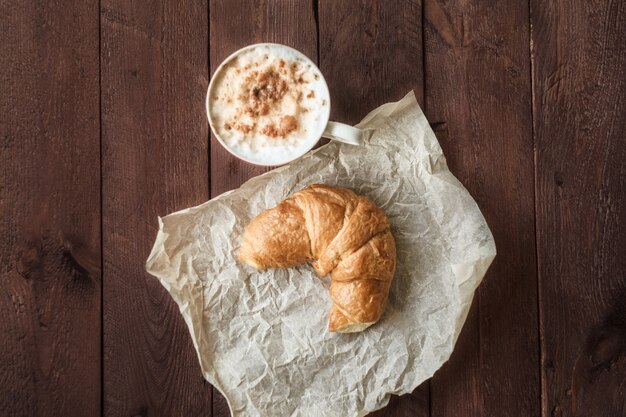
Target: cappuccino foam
267 104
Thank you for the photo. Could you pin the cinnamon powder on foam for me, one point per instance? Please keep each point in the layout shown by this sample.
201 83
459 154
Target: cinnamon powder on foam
269 98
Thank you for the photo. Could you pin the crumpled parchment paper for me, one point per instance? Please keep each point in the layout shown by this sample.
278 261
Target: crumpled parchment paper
262 337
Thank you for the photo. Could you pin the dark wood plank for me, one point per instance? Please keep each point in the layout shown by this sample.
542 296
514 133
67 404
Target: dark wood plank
50 269
370 54
235 24
579 69
478 98
155 161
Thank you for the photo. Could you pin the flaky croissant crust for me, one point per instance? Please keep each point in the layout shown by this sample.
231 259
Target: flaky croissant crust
344 234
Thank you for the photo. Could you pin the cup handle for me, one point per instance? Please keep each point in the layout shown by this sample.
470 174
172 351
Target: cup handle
343 133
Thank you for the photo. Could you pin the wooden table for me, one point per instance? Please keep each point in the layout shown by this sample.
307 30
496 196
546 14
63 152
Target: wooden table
103 128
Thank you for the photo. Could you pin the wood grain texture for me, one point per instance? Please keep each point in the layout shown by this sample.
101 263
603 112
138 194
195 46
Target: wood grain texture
155 161
370 54
579 69
235 24
478 100
50 269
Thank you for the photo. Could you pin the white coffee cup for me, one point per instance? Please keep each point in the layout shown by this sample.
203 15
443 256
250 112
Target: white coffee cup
321 127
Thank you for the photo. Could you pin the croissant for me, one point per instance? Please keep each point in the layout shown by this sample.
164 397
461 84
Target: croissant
345 235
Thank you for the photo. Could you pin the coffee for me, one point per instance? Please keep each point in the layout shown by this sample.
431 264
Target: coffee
268 104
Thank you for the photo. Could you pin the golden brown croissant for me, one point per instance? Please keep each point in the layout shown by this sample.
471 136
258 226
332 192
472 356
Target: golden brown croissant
345 235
